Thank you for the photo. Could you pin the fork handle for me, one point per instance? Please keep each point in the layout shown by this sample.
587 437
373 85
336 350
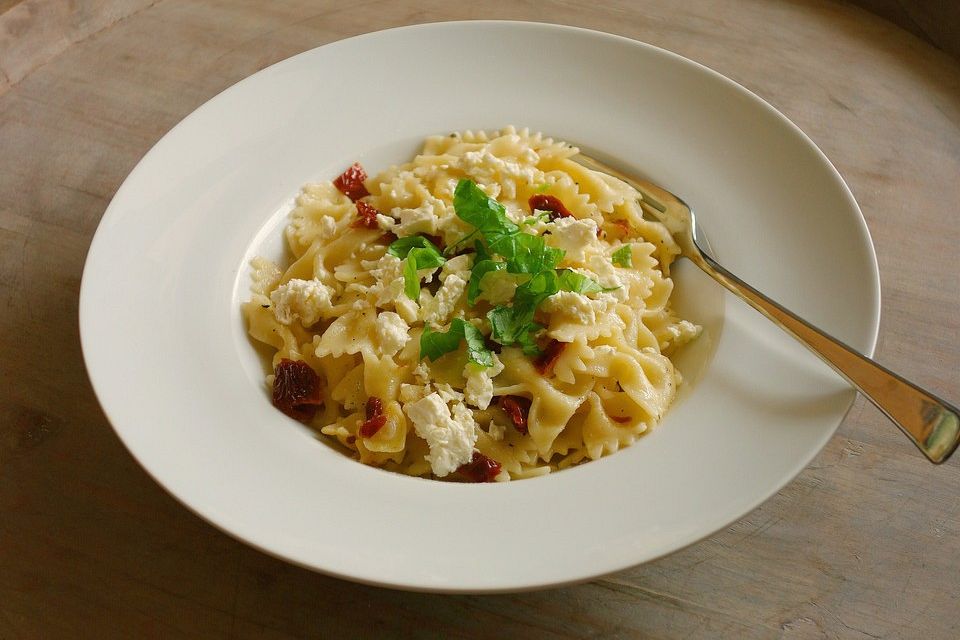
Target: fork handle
930 422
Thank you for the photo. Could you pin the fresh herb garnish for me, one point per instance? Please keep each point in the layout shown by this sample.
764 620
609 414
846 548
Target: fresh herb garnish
514 324
417 253
481 269
524 253
579 283
434 344
402 246
486 214
623 257
542 216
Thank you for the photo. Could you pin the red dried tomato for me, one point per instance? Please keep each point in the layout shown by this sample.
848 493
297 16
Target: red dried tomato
350 182
370 428
296 389
620 419
375 418
366 216
545 361
480 468
551 204
517 408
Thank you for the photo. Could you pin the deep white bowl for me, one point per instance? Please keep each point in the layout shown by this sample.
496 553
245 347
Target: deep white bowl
169 359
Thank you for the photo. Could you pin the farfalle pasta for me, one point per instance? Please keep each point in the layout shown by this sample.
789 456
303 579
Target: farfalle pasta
491 310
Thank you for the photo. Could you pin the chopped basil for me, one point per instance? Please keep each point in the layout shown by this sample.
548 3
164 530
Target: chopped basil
481 269
417 253
579 283
623 257
514 324
434 344
402 246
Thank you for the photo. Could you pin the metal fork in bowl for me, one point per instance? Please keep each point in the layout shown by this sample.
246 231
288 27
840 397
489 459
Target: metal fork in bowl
930 422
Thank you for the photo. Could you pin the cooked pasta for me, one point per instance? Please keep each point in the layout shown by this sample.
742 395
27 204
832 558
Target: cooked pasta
491 310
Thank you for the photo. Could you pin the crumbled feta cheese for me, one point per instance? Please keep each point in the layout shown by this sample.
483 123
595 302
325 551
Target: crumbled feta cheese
679 334
438 309
413 392
496 431
577 307
574 236
448 393
328 227
479 388
414 221
498 287
392 332
450 437
487 167
385 222
388 288
304 299
422 373
459 266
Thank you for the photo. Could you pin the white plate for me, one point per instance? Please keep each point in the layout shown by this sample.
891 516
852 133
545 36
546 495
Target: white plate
170 362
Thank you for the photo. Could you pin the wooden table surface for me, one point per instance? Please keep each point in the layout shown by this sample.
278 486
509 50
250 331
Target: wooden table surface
865 543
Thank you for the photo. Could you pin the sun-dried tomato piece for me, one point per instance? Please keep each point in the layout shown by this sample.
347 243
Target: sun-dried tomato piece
366 216
545 361
517 408
296 389
370 428
375 418
374 407
551 204
621 419
480 468
350 182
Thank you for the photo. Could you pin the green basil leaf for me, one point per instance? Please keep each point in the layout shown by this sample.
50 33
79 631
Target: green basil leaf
578 283
427 258
623 257
476 344
476 207
411 279
402 246
434 344
530 254
528 342
419 253
481 269
514 324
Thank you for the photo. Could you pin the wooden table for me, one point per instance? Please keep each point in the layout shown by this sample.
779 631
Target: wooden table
865 543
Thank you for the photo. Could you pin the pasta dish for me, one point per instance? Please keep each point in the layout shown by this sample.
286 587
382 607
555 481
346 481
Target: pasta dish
491 310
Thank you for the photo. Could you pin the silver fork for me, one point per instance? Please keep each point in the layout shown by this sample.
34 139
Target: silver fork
930 422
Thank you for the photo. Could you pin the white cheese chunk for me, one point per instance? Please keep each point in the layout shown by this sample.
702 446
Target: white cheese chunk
496 431
392 332
574 236
304 299
478 391
439 309
578 308
451 437
497 287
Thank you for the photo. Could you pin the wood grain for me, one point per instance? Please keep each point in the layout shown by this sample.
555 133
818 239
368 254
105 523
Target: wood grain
865 543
